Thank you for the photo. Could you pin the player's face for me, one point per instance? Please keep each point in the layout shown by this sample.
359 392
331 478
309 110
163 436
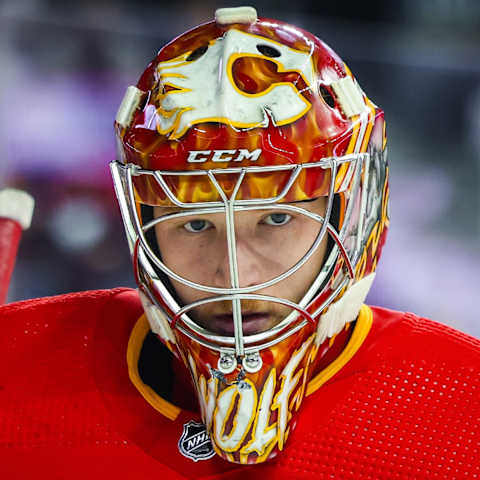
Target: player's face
268 243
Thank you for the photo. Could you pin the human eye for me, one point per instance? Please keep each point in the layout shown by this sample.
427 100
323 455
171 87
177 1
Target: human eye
198 225
277 219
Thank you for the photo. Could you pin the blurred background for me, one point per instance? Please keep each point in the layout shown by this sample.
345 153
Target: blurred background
65 66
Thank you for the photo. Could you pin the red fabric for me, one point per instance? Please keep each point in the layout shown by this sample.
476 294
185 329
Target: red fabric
406 406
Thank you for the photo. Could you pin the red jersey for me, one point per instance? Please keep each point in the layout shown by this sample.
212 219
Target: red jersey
400 401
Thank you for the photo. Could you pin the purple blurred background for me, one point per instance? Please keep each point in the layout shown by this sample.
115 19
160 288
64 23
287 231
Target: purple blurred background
65 67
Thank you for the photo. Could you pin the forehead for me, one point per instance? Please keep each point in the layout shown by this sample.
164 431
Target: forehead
316 205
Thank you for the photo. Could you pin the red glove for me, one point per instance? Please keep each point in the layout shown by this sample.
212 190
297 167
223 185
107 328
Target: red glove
16 209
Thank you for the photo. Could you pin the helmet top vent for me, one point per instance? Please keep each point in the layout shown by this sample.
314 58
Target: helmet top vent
227 16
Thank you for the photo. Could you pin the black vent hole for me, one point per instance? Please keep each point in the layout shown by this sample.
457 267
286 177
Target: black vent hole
197 53
327 96
268 51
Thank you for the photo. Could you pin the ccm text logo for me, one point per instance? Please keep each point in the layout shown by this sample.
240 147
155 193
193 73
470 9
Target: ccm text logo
200 156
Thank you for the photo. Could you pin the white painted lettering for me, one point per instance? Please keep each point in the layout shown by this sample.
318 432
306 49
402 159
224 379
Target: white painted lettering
263 434
244 153
206 391
289 382
193 158
239 412
221 156
242 418
218 155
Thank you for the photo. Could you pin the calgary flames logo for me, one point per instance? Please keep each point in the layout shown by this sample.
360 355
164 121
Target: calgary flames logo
198 86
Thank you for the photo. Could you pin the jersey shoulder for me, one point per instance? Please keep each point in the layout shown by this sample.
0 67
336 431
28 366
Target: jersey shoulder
410 336
60 329
407 402
54 389
67 399
69 305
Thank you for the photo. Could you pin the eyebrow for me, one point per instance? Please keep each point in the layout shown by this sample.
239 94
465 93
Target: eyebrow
168 210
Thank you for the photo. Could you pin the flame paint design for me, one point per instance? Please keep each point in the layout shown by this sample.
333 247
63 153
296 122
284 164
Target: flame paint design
202 87
321 132
278 390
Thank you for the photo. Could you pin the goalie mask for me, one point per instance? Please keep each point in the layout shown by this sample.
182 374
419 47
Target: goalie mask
252 182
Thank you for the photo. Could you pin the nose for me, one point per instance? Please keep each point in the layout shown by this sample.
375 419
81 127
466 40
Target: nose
249 265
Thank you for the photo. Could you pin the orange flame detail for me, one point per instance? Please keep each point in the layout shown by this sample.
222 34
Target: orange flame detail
321 132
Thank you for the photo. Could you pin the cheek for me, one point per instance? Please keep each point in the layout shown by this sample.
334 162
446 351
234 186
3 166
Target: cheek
189 258
317 260
184 261
302 242
308 273
186 294
170 250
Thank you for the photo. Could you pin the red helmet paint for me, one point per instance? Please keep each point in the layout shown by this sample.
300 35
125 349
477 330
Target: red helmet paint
263 112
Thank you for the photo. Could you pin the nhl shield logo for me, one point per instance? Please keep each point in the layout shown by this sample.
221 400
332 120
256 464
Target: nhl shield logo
195 442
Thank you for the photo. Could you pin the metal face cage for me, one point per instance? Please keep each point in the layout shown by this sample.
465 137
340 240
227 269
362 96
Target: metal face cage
240 347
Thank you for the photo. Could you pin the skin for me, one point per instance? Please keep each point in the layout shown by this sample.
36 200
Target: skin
268 242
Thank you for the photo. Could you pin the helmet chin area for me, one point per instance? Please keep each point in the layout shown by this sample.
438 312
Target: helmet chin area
248 406
249 348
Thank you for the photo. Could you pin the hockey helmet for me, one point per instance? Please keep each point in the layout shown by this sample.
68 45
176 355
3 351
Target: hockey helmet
250 116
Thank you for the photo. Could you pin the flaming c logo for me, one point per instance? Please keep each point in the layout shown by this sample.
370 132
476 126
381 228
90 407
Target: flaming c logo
198 86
